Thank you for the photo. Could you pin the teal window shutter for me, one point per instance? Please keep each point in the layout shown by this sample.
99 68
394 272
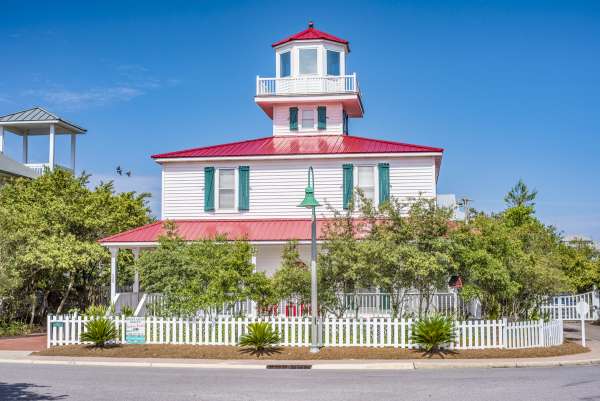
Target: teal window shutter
293 118
384 182
322 117
348 184
209 189
244 188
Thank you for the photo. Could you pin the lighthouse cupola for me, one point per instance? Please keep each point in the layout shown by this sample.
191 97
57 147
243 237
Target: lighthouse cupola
312 92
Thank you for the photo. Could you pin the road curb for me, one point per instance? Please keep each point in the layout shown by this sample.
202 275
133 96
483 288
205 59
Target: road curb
412 365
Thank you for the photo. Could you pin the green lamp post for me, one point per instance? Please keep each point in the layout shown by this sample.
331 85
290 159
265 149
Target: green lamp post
311 203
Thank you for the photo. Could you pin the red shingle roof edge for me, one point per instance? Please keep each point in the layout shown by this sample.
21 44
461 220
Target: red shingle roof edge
300 145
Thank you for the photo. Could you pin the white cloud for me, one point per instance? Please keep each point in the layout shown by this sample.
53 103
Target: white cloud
72 99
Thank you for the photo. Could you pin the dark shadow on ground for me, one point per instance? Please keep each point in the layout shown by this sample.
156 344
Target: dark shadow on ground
263 352
26 391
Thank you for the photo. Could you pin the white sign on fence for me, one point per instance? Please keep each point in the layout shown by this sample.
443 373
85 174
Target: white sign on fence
582 308
135 330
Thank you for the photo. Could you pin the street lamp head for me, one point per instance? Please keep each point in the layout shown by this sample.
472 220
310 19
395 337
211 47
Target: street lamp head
309 193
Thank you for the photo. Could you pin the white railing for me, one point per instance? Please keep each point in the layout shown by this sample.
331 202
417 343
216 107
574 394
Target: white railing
39 168
295 332
564 307
306 85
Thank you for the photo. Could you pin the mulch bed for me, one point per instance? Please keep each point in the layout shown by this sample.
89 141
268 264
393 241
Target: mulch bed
291 353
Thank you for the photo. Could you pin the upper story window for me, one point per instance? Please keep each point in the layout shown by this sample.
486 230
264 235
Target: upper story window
285 65
308 61
226 189
308 119
366 181
333 62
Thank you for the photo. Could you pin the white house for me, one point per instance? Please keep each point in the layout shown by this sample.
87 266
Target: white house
252 188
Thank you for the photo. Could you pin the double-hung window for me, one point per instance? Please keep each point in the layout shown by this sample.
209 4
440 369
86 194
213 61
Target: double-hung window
308 61
366 181
226 189
308 119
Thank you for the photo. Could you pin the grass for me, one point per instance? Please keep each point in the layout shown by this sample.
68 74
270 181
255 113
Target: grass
296 353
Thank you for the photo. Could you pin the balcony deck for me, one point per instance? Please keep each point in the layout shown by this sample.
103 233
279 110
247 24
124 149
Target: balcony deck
307 85
40 167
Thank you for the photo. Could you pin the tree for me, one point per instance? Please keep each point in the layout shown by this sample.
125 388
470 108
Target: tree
520 195
49 228
292 279
202 275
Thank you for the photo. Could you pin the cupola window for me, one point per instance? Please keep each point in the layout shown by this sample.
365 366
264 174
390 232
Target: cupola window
285 65
308 61
333 62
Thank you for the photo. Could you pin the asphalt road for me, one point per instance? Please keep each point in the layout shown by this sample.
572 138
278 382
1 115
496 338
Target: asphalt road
35 382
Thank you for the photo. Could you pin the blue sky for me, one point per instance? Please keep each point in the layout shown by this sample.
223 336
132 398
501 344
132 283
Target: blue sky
510 88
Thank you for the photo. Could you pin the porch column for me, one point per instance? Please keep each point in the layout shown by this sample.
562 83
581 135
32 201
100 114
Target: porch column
114 252
73 146
26 147
1 140
51 147
136 274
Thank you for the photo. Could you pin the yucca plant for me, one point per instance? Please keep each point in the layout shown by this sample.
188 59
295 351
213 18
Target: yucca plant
127 311
99 331
260 339
432 332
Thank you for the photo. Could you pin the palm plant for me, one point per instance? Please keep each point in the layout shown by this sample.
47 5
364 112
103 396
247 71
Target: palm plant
432 332
260 339
99 331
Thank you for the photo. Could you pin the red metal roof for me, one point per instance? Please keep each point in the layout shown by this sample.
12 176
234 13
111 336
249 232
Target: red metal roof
300 145
311 34
252 230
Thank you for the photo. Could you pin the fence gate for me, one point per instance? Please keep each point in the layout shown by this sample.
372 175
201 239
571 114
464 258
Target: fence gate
564 307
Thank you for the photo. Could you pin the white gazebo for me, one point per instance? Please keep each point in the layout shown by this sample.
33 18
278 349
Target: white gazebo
35 122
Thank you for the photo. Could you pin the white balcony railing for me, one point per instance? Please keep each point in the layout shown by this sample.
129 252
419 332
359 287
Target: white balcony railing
306 85
40 167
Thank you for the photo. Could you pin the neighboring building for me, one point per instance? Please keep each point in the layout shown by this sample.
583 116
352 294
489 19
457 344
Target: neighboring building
252 188
35 122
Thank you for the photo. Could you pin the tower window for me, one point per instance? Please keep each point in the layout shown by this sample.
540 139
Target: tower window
333 63
285 65
308 119
308 61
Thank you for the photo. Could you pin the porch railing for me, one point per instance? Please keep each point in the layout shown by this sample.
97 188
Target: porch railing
290 86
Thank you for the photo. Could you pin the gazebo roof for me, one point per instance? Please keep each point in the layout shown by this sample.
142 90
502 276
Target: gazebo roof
35 118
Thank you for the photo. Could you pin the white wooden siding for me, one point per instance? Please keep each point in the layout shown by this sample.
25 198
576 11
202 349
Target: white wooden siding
268 257
277 186
335 120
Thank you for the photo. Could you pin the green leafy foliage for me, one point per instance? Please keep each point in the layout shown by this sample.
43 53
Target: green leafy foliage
292 279
96 310
50 259
260 338
433 332
99 331
126 311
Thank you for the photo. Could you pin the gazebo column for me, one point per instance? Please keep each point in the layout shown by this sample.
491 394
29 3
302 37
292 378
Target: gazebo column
136 274
26 147
1 140
114 253
73 146
51 147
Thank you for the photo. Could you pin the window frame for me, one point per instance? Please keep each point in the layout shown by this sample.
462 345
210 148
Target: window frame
327 51
301 111
289 54
218 207
375 180
316 50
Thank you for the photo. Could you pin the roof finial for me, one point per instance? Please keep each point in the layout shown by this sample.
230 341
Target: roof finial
311 25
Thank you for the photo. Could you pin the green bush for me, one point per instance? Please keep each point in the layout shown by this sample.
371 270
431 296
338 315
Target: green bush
260 338
99 331
432 332
96 310
126 311
15 329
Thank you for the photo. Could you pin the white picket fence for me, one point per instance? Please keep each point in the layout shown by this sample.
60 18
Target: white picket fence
564 307
295 332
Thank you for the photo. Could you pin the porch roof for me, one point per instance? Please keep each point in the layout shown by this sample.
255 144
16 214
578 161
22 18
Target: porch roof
254 230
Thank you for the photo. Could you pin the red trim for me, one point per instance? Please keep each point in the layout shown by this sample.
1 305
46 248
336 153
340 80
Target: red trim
300 145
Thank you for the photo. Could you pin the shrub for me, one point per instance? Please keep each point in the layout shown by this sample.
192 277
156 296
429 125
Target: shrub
96 310
127 311
99 331
15 329
432 332
261 338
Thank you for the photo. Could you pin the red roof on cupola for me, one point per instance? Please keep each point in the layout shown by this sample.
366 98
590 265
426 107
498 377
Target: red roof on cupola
311 34
300 145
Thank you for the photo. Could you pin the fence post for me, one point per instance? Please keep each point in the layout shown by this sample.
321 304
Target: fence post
542 341
596 303
49 330
504 333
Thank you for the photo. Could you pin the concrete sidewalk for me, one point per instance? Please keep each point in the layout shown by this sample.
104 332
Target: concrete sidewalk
589 358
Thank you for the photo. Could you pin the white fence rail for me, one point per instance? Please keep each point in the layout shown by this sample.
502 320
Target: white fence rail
564 307
295 332
306 85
